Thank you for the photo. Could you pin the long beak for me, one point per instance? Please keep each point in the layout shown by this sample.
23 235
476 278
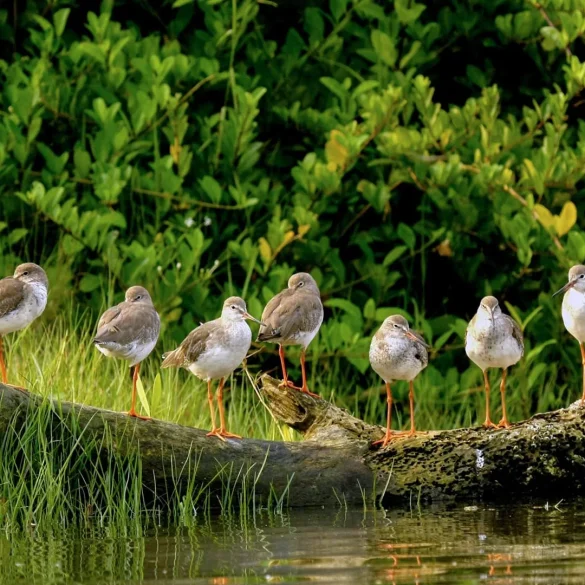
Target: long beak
414 337
247 315
567 286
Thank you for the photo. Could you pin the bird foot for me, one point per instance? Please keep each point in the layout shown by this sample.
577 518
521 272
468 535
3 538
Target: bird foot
222 434
488 424
289 384
308 392
503 424
388 436
411 433
134 414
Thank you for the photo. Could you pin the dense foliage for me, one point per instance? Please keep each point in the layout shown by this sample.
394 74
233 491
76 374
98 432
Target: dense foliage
413 157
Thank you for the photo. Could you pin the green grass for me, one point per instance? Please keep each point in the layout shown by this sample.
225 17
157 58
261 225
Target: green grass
67 481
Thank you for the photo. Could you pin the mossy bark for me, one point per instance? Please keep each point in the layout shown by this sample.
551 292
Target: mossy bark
541 457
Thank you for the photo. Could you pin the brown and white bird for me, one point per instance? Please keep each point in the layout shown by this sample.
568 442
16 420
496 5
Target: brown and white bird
397 353
574 310
493 340
23 297
214 350
293 317
129 331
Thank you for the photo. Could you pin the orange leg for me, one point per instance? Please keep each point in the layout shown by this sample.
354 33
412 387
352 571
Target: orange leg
211 409
304 388
504 422
2 363
4 372
412 431
488 421
285 380
582 345
132 412
222 431
388 436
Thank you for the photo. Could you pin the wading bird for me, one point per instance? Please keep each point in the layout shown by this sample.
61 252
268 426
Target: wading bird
397 353
574 311
129 331
293 317
23 297
493 340
214 350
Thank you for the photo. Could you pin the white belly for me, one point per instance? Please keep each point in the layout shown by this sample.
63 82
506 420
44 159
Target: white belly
219 361
132 352
32 306
501 355
574 313
395 359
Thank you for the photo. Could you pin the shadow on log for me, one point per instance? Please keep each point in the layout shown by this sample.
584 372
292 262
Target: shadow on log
541 457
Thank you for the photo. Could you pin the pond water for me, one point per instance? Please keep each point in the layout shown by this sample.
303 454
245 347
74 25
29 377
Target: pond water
526 544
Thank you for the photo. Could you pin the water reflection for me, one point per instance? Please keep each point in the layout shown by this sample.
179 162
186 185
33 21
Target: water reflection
528 544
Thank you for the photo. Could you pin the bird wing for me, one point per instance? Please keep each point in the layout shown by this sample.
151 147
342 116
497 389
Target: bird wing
291 316
126 322
470 327
191 347
11 295
270 315
516 332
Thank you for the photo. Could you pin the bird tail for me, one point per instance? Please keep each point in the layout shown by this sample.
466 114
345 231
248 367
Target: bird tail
173 358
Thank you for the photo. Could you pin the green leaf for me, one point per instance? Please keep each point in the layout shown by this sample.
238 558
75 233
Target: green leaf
407 235
89 283
179 3
393 255
212 188
384 47
477 76
60 20
82 162
338 8
344 305
314 25
335 87
370 309
408 15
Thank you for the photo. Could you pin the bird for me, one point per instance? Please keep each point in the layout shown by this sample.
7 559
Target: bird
129 331
397 353
214 350
23 297
493 340
293 317
574 311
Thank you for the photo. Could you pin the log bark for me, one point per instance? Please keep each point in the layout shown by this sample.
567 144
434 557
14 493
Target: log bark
335 463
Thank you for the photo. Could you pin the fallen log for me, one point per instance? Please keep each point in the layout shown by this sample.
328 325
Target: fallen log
335 463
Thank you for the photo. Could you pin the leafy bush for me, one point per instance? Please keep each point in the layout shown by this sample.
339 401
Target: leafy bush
413 157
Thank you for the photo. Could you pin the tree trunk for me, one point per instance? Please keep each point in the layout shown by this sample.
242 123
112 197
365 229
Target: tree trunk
335 463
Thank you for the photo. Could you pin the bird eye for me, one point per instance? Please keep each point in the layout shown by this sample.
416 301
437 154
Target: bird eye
301 284
138 298
25 273
396 325
582 276
233 307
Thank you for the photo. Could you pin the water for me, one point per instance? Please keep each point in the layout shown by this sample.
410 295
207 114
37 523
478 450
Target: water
526 544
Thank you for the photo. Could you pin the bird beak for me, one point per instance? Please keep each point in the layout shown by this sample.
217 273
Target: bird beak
247 315
412 336
567 286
